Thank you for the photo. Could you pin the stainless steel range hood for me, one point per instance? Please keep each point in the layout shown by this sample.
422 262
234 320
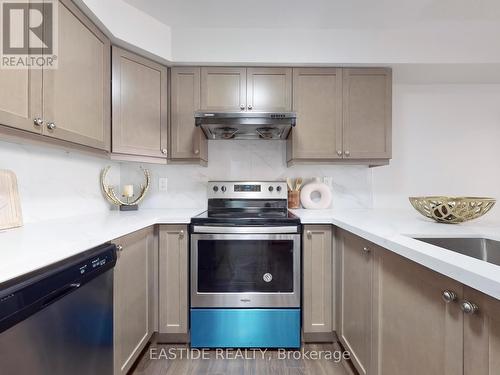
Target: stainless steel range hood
245 125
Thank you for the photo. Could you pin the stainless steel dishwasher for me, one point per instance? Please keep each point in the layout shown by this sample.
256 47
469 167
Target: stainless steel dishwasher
59 321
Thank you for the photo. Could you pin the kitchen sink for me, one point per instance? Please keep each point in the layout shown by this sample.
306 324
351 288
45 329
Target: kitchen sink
479 248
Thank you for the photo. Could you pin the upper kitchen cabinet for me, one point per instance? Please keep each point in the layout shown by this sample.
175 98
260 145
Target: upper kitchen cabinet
223 89
187 142
342 114
317 100
21 99
76 95
226 89
367 113
140 102
269 89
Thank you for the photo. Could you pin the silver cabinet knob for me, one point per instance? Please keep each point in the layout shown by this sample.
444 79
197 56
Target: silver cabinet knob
38 122
250 106
119 247
469 307
51 126
449 296
196 152
164 151
181 234
339 152
309 234
347 153
366 249
242 106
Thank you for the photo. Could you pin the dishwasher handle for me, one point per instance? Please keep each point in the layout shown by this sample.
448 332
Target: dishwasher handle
54 296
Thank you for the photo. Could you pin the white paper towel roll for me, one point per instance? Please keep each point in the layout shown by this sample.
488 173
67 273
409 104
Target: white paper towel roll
316 187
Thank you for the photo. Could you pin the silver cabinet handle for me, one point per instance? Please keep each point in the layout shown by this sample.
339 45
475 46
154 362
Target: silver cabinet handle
119 248
469 307
196 152
181 234
449 296
347 153
309 234
366 249
339 152
242 106
38 122
250 107
51 126
164 151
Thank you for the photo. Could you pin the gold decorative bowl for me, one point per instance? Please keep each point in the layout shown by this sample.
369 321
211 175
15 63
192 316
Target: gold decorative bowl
452 210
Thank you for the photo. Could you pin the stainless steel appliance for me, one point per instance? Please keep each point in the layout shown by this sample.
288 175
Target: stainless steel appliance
245 125
245 268
59 320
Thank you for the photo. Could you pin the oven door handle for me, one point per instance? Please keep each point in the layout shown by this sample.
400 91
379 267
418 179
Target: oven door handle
245 230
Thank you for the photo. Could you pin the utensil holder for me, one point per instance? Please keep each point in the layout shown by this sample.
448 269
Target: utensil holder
293 199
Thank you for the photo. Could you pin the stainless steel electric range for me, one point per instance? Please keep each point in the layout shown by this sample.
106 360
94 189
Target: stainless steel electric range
245 268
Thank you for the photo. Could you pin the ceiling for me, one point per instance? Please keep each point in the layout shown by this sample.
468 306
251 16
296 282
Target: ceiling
318 14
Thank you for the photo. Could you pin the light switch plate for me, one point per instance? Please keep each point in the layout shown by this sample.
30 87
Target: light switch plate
162 184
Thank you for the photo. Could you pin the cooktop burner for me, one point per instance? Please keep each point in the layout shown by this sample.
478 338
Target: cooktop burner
281 217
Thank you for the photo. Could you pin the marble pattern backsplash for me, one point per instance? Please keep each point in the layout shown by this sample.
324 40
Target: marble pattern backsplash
247 160
54 183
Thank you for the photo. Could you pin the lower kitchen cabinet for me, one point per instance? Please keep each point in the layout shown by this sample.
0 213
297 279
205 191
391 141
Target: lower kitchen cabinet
414 330
355 269
481 333
133 297
317 282
173 282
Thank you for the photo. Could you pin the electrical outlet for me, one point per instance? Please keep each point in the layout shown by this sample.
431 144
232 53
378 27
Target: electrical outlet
162 184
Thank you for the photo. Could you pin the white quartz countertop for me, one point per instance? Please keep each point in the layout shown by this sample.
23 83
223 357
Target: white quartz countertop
37 245
394 229
40 244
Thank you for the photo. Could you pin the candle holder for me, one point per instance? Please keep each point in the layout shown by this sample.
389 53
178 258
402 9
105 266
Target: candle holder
128 205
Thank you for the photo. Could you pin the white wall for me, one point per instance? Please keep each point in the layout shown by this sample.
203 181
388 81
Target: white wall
446 141
129 27
442 43
54 183
247 160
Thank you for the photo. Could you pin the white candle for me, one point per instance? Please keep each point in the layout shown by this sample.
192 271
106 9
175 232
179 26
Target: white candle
128 191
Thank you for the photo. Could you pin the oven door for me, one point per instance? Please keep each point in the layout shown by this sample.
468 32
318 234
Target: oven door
245 270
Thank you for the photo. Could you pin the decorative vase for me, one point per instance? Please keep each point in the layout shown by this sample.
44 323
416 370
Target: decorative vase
319 189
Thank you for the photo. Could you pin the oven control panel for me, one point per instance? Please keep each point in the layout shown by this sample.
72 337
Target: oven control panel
247 190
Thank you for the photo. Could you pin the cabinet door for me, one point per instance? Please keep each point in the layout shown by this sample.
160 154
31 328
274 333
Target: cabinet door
188 141
269 89
317 279
133 287
356 296
481 335
139 105
317 99
21 98
415 331
76 95
367 122
223 89
173 288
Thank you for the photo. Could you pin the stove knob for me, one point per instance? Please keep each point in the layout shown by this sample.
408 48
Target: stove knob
271 188
216 189
278 188
223 188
